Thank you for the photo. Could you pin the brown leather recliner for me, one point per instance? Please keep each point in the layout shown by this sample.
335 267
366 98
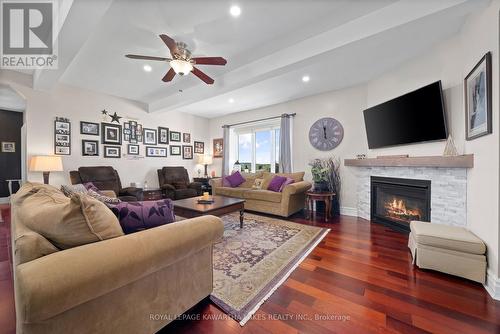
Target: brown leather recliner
174 182
106 178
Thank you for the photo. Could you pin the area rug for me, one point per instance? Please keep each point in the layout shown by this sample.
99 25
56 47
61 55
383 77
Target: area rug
251 263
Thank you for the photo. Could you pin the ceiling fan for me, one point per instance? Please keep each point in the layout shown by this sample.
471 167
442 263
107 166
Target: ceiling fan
181 62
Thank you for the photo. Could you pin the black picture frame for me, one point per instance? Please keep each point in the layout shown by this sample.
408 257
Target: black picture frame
199 147
175 150
133 152
163 134
175 136
84 128
106 151
62 136
186 137
95 143
187 152
107 129
482 67
156 152
148 141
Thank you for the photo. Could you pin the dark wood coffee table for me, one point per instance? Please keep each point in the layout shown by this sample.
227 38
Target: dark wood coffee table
190 208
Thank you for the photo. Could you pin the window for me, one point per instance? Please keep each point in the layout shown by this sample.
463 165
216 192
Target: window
258 149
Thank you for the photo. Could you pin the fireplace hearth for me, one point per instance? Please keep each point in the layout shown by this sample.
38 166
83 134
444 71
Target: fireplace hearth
395 202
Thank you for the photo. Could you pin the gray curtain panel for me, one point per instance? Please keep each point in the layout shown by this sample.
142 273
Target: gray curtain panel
225 156
286 144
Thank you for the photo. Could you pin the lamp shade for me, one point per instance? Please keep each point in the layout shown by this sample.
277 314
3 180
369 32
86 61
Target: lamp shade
46 163
205 160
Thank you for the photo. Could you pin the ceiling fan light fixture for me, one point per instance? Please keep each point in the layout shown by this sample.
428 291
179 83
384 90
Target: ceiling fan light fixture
181 67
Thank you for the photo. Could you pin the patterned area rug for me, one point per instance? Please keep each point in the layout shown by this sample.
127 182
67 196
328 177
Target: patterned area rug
251 263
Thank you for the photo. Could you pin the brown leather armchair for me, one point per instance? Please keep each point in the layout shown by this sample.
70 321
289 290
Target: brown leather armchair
174 182
106 178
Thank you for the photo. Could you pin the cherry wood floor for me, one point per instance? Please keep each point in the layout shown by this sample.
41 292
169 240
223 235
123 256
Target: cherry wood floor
359 279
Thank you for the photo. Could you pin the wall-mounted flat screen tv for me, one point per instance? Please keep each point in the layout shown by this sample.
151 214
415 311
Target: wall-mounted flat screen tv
415 117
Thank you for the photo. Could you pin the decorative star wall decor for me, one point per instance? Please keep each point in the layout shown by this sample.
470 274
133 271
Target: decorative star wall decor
115 118
104 112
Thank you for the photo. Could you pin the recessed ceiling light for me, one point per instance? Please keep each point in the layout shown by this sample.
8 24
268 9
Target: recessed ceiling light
235 11
305 78
231 100
147 68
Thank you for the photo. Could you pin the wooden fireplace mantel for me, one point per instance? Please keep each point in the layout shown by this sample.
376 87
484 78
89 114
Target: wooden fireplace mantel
461 161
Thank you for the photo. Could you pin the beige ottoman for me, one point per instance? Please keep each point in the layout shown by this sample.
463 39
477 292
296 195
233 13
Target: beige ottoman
449 249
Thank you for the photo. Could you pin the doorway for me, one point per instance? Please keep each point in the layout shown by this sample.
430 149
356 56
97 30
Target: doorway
11 123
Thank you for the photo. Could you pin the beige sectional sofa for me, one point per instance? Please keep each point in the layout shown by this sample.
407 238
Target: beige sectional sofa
135 283
284 204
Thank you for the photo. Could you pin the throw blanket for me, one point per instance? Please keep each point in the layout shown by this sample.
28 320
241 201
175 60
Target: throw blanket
137 216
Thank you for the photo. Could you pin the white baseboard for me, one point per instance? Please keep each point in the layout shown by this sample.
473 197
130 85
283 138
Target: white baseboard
492 285
348 211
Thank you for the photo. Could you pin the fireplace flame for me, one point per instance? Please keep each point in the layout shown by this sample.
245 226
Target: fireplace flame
397 209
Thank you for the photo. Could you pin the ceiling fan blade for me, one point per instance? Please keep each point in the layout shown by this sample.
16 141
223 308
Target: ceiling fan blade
209 61
172 46
202 76
169 76
147 57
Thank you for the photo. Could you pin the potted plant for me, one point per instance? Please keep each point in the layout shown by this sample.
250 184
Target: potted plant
320 175
326 177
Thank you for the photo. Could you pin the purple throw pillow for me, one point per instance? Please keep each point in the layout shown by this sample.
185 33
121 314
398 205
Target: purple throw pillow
287 182
225 182
235 179
91 186
276 183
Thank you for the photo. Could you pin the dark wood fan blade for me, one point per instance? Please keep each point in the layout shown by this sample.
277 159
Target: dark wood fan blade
202 76
209 61
147 57
170 44
169 76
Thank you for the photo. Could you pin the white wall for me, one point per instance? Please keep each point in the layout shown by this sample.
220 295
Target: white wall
82 105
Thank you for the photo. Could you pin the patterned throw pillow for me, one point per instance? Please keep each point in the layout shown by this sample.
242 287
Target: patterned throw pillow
103 198
258 184
70 190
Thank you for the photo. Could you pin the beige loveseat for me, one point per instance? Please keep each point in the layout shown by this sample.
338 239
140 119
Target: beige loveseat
285 203
134 283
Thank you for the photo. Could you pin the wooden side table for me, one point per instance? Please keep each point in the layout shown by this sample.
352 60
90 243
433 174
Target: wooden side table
152 194
326 197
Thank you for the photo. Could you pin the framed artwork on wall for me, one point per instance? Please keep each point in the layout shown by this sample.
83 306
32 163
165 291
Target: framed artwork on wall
162 135
112 151
187 152
175 136
89 128
133 149
8 147
111 133
175 150
199 147
62 136
90 148
186 137
218 148
150 137
478 101
157 152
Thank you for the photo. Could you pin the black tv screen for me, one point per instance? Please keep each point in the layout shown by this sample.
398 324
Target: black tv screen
415 117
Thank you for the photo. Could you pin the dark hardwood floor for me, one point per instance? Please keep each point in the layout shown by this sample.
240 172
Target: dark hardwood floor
359 279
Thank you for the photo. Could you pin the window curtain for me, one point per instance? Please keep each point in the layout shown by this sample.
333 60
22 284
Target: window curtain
225 155
286 144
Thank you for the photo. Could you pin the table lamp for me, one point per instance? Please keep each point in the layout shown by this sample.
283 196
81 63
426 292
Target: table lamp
205 160
46 164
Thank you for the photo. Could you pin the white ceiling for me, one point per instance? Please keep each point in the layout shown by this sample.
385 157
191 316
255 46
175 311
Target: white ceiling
338 43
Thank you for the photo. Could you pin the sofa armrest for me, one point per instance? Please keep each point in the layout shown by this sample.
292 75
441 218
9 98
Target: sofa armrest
216 183
167 186
63 280
109 193
297 188
132 191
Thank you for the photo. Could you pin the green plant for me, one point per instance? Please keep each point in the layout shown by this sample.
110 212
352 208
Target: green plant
318 171
328 170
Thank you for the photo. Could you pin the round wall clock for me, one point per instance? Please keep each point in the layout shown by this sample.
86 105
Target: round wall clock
326 134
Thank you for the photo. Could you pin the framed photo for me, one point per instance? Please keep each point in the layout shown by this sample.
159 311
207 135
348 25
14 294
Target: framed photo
111 133
88 128
62 136
8 147
186 137
187 152
112 151
90 148
162 135
150 137
132 149
477 96
218 148
175 150
175 136
159 152
199 147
